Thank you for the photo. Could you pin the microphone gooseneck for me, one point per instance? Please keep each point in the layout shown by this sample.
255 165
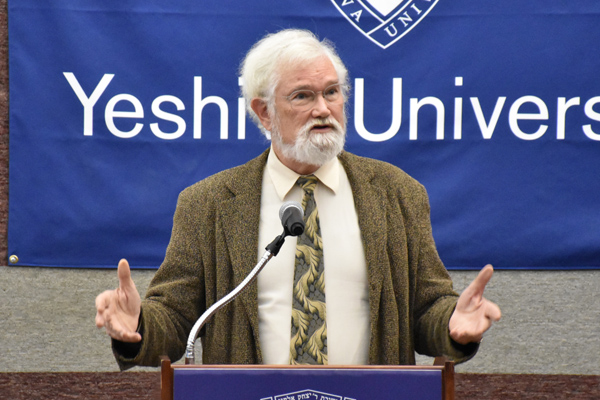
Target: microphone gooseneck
291 215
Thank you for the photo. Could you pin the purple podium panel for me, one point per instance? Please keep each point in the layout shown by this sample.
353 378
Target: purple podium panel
310 384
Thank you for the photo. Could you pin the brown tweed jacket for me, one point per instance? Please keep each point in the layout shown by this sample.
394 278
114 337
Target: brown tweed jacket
214 244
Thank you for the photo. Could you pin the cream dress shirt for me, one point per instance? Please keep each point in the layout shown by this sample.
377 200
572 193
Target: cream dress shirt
346 282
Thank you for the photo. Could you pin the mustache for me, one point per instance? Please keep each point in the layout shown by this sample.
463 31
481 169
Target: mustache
329 121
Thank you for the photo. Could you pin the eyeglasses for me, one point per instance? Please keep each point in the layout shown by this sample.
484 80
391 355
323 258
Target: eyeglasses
305 99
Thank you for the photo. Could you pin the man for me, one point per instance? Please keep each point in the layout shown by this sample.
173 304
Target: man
387 292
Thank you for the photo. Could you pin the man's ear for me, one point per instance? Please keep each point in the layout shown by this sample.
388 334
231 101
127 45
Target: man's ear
259 106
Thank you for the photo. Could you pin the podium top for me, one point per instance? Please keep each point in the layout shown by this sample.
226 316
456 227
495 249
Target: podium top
283 382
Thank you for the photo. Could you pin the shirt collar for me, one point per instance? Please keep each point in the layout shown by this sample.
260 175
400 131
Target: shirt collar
284 178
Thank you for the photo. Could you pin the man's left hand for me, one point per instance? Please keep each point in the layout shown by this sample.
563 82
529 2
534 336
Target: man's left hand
474 314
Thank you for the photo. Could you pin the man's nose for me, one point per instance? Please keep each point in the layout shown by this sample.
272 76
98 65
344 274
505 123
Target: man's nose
321 107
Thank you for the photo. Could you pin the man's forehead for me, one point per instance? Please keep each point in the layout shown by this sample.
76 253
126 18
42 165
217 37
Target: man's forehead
315 73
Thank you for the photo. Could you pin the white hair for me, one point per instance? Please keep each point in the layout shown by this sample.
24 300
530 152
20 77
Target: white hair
261 67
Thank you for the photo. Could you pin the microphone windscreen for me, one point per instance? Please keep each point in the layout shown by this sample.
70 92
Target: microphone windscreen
292 218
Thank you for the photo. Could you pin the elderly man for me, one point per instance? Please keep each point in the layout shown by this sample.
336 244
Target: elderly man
363 285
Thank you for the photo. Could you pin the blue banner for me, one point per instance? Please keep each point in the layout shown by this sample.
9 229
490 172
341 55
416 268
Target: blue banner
116 106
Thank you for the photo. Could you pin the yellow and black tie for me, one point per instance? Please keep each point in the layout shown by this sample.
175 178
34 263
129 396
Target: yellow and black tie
309 327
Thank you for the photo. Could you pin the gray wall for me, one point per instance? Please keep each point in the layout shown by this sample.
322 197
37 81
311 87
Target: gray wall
550 324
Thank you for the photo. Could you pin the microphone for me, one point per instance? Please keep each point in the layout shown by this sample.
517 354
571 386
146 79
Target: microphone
292 218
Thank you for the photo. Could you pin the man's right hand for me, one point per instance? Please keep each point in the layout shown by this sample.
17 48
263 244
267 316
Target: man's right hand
118 311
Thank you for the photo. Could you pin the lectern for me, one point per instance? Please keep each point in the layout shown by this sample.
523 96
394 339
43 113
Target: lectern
274 382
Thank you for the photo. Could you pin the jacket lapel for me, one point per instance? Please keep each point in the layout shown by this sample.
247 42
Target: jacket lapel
240 216
370 203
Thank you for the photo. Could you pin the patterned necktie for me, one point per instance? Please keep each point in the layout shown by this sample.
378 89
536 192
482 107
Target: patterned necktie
309 328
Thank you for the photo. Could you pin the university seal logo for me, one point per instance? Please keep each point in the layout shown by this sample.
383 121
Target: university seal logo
384 21
308 395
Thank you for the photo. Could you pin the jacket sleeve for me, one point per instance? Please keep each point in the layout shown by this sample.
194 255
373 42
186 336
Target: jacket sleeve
435 298
175 297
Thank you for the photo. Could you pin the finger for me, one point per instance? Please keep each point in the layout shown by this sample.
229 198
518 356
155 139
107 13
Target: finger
124 273
472 331
102 305
103 300
493 311
482 279
99 320
117 331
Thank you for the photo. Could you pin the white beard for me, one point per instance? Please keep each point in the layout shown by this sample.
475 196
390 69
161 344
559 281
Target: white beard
312 148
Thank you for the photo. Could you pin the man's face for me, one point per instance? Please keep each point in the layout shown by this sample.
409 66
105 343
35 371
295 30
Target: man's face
309 135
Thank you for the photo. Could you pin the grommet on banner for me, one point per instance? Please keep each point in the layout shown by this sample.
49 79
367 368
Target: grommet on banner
13 259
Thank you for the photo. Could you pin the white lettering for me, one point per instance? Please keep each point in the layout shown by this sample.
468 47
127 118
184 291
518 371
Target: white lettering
487 129
356 15
395 31
520 116
199 104
415 106
406 19
180 122
458 107
562 108
346 2
88 102
110 114
458 110
414 7
589 111
514 116
359 111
